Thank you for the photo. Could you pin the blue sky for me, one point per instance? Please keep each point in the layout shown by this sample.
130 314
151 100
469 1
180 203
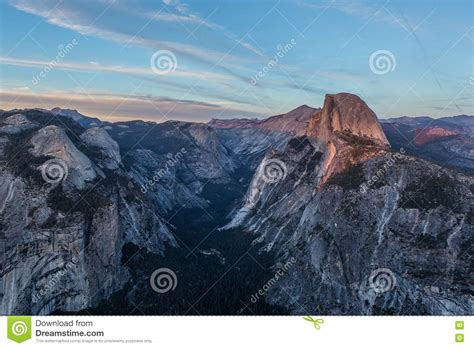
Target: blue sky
235 58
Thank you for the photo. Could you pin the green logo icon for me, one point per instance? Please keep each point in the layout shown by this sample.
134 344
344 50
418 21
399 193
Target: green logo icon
460 325
316 322
19 329
459 338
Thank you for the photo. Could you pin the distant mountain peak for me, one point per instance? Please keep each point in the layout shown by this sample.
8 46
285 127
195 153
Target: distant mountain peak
346 113
70 112
294 122
75 115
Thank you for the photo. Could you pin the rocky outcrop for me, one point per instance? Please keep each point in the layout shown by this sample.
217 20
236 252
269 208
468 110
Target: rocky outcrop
15 124
415 220
349 130
97 139
53 141
346 113
448 141
67 234
76 116
356 216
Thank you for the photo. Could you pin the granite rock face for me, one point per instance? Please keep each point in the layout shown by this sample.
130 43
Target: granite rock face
53 141
107 149
61 241
346 233
371 229
346 113
448 141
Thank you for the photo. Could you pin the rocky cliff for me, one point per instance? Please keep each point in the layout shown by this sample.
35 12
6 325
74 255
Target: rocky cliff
64 220
373 231
89 209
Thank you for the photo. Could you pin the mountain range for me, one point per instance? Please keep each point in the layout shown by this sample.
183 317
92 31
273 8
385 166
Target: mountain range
325 210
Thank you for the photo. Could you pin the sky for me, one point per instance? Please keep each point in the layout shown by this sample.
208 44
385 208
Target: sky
198 60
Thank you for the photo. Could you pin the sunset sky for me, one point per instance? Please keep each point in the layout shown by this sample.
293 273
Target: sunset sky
99 56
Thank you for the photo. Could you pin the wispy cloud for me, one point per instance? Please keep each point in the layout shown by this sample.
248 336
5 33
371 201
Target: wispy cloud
185 15
81 22
145 74
118 69
367 10
119 107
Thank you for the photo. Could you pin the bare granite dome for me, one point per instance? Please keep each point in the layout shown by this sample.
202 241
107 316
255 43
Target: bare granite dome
346 113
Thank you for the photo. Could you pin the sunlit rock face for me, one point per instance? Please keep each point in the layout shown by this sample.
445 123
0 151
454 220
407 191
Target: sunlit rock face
349 130
348 209
346 113
53 141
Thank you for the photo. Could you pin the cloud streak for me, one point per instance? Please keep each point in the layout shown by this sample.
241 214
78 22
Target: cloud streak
96 67
77 20
120 107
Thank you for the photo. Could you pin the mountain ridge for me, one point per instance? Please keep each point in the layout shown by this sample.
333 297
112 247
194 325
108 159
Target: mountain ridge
307 192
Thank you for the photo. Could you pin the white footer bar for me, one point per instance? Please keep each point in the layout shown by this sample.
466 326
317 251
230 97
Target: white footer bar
220 332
